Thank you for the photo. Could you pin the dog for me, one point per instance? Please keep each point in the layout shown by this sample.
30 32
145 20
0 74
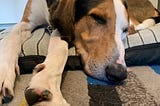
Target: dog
97 28
142 14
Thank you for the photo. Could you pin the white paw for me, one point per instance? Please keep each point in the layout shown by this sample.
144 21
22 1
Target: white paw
140 27
145 24
7 79
10 48
44 89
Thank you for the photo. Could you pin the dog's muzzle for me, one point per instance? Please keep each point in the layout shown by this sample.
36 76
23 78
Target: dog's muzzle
116 73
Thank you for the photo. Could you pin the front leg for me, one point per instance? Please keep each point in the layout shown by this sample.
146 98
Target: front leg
10 47
44 88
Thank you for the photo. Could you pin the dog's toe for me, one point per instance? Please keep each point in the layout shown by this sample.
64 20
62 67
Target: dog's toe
47 95
36 95
7 97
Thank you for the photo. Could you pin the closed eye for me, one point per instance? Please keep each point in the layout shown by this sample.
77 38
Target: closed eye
98 19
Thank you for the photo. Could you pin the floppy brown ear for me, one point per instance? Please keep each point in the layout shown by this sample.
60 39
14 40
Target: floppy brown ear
63 17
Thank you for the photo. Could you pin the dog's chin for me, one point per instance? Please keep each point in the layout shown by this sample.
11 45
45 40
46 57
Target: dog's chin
97 73
115 73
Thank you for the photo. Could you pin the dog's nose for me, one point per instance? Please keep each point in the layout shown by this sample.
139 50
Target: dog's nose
116 73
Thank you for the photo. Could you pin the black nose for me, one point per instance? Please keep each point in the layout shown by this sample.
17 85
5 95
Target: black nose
116 73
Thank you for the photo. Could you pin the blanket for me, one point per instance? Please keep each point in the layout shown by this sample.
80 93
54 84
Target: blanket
141 88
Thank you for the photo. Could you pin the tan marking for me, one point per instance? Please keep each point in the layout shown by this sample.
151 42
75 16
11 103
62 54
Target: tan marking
98 11
156 14
131 30
27 11
134 21
140 9
91 37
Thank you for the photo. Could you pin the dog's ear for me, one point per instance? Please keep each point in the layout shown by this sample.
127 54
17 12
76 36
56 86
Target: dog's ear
63 17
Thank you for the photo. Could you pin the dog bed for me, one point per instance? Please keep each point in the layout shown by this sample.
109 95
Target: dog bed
142 86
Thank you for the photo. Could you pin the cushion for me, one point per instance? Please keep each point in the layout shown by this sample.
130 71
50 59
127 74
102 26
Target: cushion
34 50
143 47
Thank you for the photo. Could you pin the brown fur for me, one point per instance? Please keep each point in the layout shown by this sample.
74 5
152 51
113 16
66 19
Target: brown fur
90 34
91 24
90 37
63 17
27 11
140 10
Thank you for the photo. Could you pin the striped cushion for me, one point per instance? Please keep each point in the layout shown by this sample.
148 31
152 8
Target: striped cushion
34 50
147 36
143 47
37 44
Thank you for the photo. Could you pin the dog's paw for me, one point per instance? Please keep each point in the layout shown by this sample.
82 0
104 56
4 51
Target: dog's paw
10 48
53 102
44 88
140 27
44 97
35 95
8 73
145 24
7 80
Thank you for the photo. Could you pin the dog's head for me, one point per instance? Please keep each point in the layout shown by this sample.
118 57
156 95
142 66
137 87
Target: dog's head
98 26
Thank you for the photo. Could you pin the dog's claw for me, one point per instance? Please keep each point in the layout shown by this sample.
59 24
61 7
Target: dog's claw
47 95
33 97
7 97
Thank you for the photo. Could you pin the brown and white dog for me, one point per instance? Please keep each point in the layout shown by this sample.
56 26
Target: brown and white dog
142 14
96 27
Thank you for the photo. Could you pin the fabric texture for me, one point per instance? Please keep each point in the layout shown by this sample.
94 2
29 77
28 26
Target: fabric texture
143 47
141 88
143 37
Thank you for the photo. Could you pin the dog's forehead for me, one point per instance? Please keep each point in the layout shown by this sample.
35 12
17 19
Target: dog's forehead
83 7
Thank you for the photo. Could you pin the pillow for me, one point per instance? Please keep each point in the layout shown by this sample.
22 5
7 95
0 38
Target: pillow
143 47
34 51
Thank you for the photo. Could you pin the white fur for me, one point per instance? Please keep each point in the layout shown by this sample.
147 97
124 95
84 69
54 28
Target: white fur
121 23
39 13
145 24
10 48
10 45
50 77
121 18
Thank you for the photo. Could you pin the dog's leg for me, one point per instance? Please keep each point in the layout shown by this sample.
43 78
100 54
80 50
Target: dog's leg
145 24
36 13
44 88
9 50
